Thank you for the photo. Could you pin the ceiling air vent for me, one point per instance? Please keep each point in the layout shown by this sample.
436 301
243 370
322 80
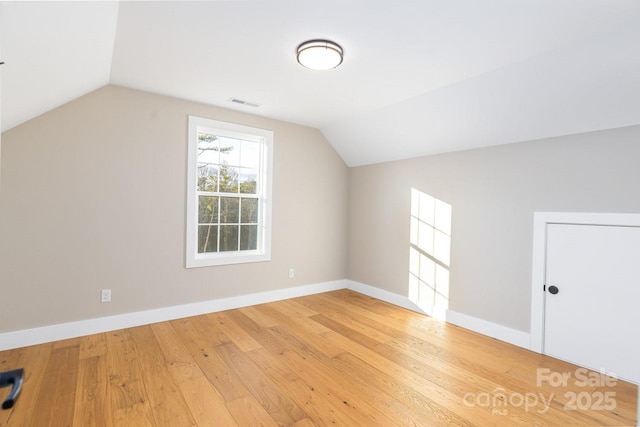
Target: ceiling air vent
243 102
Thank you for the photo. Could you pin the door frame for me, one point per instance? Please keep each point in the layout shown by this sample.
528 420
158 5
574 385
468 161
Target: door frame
540 222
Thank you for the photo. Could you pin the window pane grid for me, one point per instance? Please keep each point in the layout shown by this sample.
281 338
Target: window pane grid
229 177
227 222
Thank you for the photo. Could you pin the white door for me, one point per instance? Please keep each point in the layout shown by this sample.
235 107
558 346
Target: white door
594 318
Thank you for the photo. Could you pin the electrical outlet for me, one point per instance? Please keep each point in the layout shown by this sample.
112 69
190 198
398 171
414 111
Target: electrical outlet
292 273
105 295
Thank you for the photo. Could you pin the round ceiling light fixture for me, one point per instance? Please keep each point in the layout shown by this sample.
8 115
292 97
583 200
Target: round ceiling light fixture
319 54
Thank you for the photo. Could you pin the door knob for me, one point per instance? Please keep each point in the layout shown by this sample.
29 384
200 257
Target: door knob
553 289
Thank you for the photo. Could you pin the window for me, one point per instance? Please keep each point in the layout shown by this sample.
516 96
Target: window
229 193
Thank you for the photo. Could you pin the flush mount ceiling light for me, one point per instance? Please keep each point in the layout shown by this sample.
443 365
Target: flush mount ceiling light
319 54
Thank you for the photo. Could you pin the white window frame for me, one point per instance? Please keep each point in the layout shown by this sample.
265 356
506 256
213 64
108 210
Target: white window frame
231 130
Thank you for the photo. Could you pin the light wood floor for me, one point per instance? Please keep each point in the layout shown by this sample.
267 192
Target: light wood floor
338 358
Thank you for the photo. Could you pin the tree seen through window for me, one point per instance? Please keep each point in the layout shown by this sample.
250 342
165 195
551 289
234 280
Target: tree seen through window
227 189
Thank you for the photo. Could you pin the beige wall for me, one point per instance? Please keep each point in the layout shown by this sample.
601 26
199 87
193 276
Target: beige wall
93 196
494 192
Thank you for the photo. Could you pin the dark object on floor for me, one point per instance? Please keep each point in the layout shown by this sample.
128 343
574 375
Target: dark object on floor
13 379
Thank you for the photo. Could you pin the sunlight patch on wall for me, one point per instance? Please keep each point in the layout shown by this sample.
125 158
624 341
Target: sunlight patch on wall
429 253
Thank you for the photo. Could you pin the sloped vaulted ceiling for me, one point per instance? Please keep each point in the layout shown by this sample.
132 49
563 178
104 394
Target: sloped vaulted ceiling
419 77
54 52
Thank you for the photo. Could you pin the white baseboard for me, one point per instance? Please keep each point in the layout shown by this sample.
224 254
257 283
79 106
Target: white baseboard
381 294
80 328
493 330
15 339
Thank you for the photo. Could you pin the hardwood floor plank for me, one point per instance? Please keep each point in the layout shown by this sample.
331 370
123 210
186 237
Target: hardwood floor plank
10 359
487 362
176 354
34 361
259 334
209 329
341 313
167 403
365 411
93 345
128 398
345 331
233 331
349 381
404 379
278 405
338 358
208 361
283 316
307 422
438 407
290 340
92 396
259 317
55 405
288 344
71 342
248 412
293 308
453 389
206 404
306 329
431 339
476 378
312 398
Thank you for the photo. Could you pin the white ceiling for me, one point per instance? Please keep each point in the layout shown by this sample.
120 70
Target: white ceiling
419 76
